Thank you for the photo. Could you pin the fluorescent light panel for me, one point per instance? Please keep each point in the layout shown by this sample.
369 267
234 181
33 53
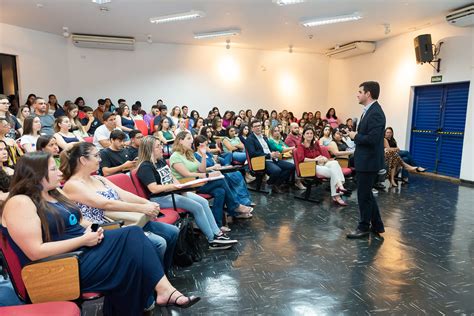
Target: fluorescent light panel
332 20
287 2
205 35
101 1
178 17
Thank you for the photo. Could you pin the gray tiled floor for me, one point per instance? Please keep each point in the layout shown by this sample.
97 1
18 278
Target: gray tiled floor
293 258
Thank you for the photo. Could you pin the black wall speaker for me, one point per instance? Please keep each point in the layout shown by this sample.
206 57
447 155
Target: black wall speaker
423 48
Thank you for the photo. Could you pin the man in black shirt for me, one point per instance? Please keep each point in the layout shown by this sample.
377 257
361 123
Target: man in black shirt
135 140
90 122
115 158
163 113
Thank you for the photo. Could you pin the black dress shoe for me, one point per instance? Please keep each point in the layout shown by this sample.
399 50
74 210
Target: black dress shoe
357 234
376 233
276 189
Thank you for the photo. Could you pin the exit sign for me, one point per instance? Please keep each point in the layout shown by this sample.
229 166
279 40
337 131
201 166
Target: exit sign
435 79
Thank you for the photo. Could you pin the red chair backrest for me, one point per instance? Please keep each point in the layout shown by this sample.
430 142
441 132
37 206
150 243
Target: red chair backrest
141 191
142 127
297 164
13 267
123 181
89 139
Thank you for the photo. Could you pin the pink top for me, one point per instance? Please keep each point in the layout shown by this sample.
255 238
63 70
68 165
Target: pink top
333 122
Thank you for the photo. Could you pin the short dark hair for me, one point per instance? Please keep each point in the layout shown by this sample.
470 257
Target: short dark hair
373 87
255 122
134 133
184 106
117 134
120 101
154 106
162 107
136 107
87 109
101 101
107 115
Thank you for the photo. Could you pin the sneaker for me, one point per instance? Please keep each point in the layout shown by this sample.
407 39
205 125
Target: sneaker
375 191
214 246
249 178
300 186
266 177
223 239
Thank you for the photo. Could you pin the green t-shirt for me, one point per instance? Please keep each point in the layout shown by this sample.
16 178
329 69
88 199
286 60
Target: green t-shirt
191 165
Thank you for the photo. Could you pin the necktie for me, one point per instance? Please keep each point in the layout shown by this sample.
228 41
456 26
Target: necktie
363 114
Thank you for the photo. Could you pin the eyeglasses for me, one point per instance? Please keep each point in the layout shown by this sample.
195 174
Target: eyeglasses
257 125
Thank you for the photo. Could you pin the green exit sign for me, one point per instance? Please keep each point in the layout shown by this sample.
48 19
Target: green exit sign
435 79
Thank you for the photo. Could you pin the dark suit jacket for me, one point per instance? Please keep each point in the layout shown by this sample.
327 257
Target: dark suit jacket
369 152
253 147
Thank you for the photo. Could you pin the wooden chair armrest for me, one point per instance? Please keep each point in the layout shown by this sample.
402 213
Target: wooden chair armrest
343 162
53 279
184 180
307 169
258 163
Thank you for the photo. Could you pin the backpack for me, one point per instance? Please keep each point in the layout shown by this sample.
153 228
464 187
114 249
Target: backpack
187 248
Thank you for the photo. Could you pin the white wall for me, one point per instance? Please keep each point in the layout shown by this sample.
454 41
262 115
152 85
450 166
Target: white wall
394 66
198 76
41 63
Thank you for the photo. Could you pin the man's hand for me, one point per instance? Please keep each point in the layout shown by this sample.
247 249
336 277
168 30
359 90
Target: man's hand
275 154
352 134
129 165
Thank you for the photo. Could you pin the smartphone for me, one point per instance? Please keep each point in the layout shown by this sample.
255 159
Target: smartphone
94 227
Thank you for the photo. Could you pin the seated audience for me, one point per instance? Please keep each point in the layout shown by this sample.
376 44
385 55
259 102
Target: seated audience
332 118
181 126
309 150
136 111
338 147
102 133
244 133
317 121
115 158
274 118
47 121
15 126
76 125
213 145
48 143
184 165
30 100
31 129
155 175
234 179
123 120
53 104
13 149
99 111
164 132
198 124
175 115
62 111
233 144
5 172
294 138
90 122
237 123
39 222
136 138
217 127
163 109
193 118
326 137
64 137
94 195
148 118
227 119
278 170
393 161
23 113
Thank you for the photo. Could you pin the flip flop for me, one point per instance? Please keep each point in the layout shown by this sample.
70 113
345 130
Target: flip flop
191 301
420 169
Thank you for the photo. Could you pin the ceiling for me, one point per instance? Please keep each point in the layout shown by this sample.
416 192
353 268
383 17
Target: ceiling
264 24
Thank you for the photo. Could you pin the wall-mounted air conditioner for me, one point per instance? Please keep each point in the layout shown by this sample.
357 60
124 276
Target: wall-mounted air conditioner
351 50
104 42
462 17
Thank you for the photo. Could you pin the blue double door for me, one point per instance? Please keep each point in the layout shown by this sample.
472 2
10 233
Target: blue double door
439 119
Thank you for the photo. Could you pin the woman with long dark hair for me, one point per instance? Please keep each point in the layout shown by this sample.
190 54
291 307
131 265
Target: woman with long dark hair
332 118
31 130
5 172
40 222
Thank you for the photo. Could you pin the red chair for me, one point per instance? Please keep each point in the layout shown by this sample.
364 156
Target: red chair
55 278
142 127
124 182
89 139
42 309
307 172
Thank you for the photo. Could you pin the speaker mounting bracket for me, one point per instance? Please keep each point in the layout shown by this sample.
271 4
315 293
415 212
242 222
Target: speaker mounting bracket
436 60
438 64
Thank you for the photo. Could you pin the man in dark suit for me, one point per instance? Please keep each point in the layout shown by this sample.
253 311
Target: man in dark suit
278 170
368 159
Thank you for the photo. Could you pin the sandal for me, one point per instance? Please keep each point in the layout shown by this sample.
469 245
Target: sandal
420 169
244 216
191 301
247 210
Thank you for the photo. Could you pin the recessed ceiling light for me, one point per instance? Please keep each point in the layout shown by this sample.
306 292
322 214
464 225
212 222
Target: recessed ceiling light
178 17
331 20
204 35
101 1
104 9
287 2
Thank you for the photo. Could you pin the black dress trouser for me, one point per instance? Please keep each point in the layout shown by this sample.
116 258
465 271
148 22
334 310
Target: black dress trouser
368 208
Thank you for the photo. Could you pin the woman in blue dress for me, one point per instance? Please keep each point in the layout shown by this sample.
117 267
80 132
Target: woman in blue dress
40 222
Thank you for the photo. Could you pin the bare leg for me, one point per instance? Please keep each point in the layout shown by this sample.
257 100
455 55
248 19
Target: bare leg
164 290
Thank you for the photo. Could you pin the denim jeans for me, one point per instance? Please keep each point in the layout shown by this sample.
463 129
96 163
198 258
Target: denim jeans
279 171
164 237
220 191
239 156
406 157
196 205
